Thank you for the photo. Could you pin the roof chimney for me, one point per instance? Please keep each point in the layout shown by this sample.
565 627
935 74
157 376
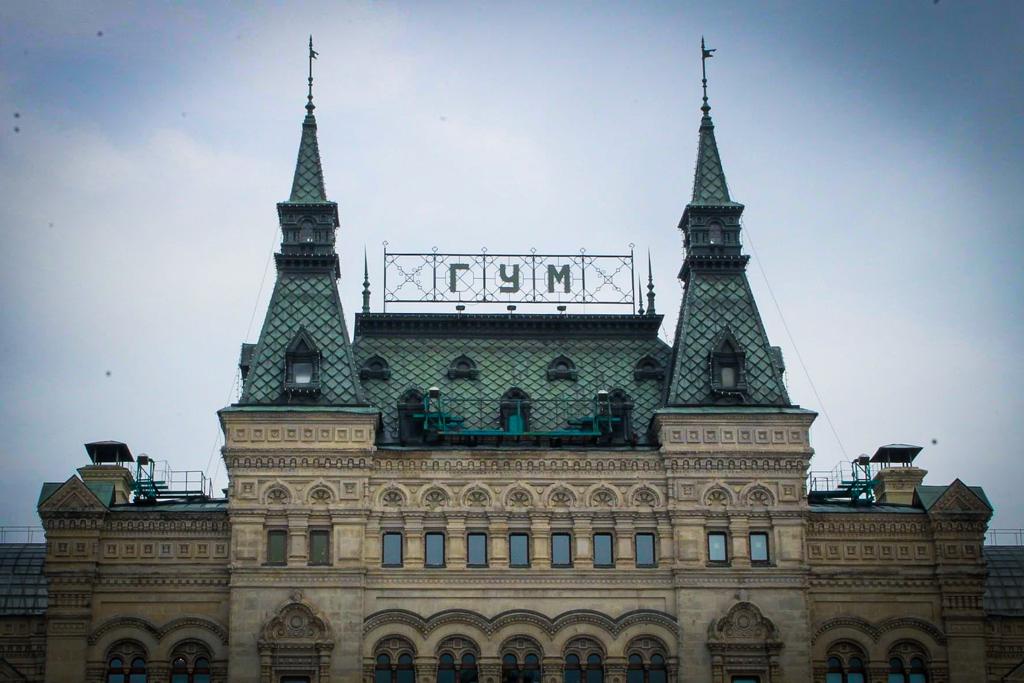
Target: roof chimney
109 466
897 477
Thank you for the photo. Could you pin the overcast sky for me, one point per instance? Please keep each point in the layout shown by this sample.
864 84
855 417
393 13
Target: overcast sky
877 147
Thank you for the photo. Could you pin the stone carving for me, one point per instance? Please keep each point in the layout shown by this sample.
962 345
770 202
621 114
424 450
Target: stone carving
759 496
644 496
321 494
717 495
278 495
477 496
604 497
393 498
518 497
561 496
435 497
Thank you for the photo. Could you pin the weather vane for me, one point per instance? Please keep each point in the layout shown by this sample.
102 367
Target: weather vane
705 55
312 55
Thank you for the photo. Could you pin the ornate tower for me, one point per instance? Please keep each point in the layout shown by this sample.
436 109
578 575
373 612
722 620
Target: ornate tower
721 352
303 354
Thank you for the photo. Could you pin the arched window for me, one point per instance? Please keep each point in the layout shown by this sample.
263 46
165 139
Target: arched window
897 672
728 371
562 368
531 669
851 672
467 669
115 670
201 670
302 366
446 668
918 671
375 368
137 674
405 673
648 367
515 411
382 670
463 367
510 669
572 669
622 416
715 233
595 669
658 673
179 671
635 670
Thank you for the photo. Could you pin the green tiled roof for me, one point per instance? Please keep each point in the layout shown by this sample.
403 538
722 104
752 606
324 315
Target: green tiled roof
308 184
712 303
709 185
507 360
308 301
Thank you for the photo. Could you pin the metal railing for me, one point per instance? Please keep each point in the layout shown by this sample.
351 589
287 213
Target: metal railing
22 534
1004 537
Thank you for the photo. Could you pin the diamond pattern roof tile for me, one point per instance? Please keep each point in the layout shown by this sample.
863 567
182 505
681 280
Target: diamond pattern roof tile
310 302
711 303
506 363
308 184
709 186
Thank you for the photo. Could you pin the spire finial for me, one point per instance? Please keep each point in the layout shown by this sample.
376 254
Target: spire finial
312 55
366 284
650 285
705 55
640 296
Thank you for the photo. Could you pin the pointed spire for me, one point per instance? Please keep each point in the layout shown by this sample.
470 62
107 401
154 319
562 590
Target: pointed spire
308 184
650 285
640 296
366 284
709 185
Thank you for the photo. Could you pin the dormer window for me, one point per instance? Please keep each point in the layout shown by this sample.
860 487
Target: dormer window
728 377
302 366
375 368
648 367
463 367
562 368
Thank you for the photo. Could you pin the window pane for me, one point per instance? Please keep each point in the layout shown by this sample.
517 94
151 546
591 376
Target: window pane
645 550
745 679
115 678
716 547
406 675
277 547
571 676
758 547
635 676
137 678
657 676
382 676
318 547
854 678
302 372
435 550
519 550
834 678
897 678
392 549
918 678
200 678
446 676
728 376
477 550
561 550
603 551
595 675
179 678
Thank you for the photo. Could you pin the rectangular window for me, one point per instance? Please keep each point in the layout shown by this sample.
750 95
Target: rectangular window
759 547
319 547
392 549
603 553
476 550
435 550
717 551
519 550
746 679
277 547
561 550
645 550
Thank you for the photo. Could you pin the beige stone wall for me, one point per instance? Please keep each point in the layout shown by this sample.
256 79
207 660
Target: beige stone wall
23 648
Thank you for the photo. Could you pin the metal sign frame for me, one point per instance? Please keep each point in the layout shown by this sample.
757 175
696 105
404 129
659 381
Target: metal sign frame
486 278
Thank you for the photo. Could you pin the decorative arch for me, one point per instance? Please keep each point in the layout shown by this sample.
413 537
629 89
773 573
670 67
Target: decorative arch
296 639
727 365
477 495
716 494
277 493
514 411
320 494
410 429
559 495
393 496
744 640
302 366
519 496
757 495
394 645
436 496
642 495
602 496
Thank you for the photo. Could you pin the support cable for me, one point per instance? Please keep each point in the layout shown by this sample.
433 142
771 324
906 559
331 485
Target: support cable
792 342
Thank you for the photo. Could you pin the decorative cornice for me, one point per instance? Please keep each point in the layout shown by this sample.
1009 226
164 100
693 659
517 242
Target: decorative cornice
459 325
876 630
141 624
492 625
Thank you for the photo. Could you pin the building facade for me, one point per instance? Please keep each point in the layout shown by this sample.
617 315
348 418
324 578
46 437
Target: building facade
516 497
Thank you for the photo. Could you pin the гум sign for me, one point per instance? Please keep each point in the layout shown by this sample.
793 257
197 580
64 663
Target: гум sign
508 278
